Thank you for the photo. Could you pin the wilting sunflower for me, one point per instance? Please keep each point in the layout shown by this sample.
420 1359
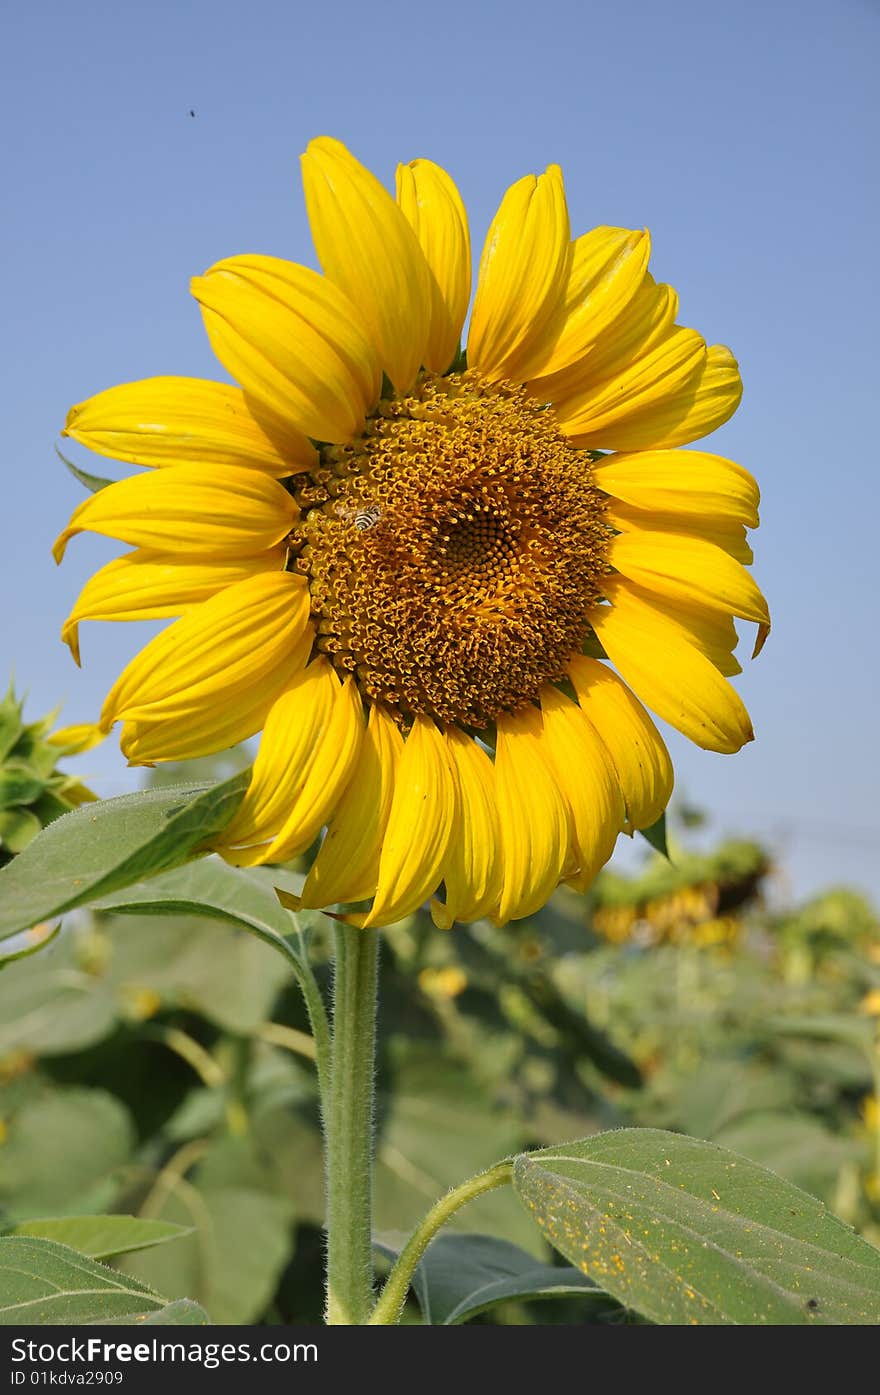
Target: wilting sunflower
412 567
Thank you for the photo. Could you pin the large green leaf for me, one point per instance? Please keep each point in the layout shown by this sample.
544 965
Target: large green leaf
100 1237
210 888
687 1232
100 847
44 1282
232 1262
63 1153
463 1275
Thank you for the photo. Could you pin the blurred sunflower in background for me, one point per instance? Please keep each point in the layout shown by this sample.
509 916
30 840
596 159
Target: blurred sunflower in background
412 567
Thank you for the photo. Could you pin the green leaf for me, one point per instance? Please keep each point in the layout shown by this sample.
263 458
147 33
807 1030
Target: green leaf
44 1282
102 847
100 1237
655 834
91 482
233 1260
686 1232
181 1313
463 1275
210 888
18 828
63 1151
18 784
27 943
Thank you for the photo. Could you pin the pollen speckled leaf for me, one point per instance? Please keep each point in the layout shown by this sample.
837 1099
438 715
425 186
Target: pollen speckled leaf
113 843
685 1232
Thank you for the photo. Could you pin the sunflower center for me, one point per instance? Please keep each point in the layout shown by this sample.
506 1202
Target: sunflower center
452 551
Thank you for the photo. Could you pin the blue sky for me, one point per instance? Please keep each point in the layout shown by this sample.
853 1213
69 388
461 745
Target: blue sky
745 138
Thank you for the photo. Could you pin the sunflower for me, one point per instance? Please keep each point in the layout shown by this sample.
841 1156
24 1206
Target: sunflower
412 567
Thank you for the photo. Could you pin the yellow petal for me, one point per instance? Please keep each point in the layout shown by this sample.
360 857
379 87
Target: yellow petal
532 815
589 782
84 736
608 266
689 483
689 570
224 662
731 537
419 827
179 421
711 631
687 411
189 511
644 322
634 745
433 208
148 586
522 278
678 682
367 248
307 752
473 872
599 415
347 866
294 341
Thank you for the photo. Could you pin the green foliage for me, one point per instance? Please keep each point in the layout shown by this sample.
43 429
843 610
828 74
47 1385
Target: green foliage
462 1276
687 1232
159 1045
44 1282
102 1237
98 849
33 791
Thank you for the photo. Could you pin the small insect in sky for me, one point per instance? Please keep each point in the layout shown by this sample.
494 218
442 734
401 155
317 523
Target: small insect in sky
191 112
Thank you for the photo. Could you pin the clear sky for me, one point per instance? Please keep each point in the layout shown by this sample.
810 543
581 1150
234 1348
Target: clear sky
744 136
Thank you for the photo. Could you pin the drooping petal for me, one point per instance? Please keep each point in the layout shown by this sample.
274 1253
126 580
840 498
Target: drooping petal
149 586
689 483
434 210
347 866
367 248
180 421
77 739
307 752
522 279
472 872
689 570
294 341
224 661
670 675
189 511
532 814
588 781
419 829
608 266
635 746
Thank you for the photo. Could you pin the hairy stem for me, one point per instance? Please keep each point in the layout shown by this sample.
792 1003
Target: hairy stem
348 1128
390 1305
